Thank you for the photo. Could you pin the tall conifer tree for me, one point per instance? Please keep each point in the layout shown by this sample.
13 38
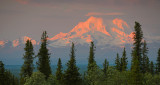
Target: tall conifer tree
93 68
71 75
59 74
151 67
117 62
145 59
136 77
136 65
124 61
27 67
137 45
105 67
121 64
2 73
43 64
91 56
6 77
158 61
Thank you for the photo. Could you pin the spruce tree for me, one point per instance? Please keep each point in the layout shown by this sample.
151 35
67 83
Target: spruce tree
117 62
59 74
6 77
2 73
93 69
27 67
71 75
43 64
158 61
137 44
136 65
151 67
145 59
121 65
136 77
91 56
124 61
156 68
105 67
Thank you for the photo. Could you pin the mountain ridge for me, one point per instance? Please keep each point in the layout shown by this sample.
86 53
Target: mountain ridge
93 29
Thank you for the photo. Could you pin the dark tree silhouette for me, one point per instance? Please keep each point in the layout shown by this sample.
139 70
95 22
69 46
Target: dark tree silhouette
71 75
27 67
137 45
43 64
59 74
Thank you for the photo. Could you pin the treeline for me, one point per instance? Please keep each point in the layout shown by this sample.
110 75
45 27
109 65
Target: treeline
142 71
6 77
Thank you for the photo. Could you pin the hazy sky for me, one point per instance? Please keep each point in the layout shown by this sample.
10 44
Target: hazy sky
30 17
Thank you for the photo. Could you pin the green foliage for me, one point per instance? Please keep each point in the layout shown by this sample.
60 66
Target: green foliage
151 68
2 71
115 77
71 75
94 72
94 75
156 79
158 61
135 75
10 79
52 80
37 78
124 61
91 55
105 67
43 64
117 62
59 74
6 77
137 44
150 79
145 59
136 63
27 67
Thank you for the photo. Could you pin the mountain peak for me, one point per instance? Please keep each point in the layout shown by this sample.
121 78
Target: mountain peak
2 43
93 29
92 24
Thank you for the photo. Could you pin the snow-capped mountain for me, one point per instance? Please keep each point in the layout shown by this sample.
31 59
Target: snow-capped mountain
17 42
93 29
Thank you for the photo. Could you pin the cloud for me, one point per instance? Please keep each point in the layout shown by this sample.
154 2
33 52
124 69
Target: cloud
93 2
98 13
23 1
